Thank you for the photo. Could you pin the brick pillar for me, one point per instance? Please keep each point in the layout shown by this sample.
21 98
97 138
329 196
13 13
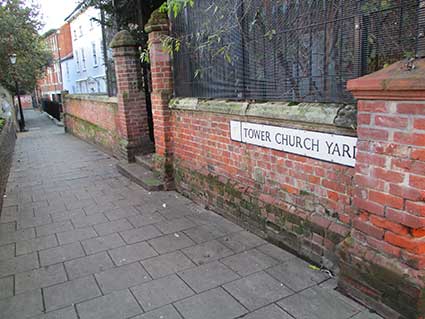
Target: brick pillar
132 119
383 262
162 91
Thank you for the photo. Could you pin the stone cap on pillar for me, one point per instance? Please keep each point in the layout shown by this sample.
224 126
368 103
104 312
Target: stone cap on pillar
123 39
404 80
157 22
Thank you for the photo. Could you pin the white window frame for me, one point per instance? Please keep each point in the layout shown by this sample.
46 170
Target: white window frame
77 61
94 53
83 60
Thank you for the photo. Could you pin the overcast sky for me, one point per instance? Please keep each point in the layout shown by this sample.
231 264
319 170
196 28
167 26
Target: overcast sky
55 11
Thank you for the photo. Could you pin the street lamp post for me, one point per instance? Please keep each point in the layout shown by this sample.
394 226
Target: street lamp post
12 58
60 77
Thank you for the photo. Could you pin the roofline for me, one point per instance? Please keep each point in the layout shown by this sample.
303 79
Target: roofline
68 57
78 9
49 33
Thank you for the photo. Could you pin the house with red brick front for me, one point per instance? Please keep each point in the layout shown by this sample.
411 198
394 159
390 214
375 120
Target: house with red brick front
59 43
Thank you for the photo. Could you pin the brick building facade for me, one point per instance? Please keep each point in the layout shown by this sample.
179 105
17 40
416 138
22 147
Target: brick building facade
59 43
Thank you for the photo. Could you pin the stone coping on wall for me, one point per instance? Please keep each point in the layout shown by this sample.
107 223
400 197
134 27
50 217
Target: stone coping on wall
93 97
329 117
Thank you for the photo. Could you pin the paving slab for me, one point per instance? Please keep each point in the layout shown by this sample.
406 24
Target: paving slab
90 220
140 234
275 252
167 312
18 264
76 235
207 252
65 313
120 212
14 236
208 276
175 225
167 264
296 274
6 287
202 234
117 305
318 303
249 262
40 278
102 243
7 251
70 292
172 242
131 253
257 290
268 312
21 306
65 215
161 292
367 315
212 304
25 221
140 220
113 227
60 254
84 266
242 241
122 277
54 228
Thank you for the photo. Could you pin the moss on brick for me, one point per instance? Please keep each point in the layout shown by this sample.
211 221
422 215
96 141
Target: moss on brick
93 133
246 209
123 39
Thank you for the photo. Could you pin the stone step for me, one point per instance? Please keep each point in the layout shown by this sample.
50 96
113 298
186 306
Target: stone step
146 161
141 176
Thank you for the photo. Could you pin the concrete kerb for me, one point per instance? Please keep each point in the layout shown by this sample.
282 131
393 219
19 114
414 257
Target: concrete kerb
58 123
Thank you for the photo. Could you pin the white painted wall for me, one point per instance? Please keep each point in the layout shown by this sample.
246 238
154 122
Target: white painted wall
88 65
69 75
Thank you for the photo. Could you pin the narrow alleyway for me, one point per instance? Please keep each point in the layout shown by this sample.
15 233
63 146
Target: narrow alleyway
78 240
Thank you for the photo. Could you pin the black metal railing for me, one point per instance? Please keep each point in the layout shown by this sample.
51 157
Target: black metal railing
297 51
51 107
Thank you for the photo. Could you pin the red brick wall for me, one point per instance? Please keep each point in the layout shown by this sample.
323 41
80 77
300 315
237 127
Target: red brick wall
132 113
391 175
297 202
93 119
26 101
65 40
370 219
279 194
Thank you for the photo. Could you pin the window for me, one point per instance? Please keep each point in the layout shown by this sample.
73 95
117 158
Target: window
55 46
67 70
91 23
77 61
102 53
81 31
83 59
75 35
93 46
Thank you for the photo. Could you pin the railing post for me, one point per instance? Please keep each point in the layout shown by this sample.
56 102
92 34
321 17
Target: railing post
132 119
383 261
162 91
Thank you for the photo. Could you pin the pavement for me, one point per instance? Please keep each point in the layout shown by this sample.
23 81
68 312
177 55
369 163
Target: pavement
78 240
